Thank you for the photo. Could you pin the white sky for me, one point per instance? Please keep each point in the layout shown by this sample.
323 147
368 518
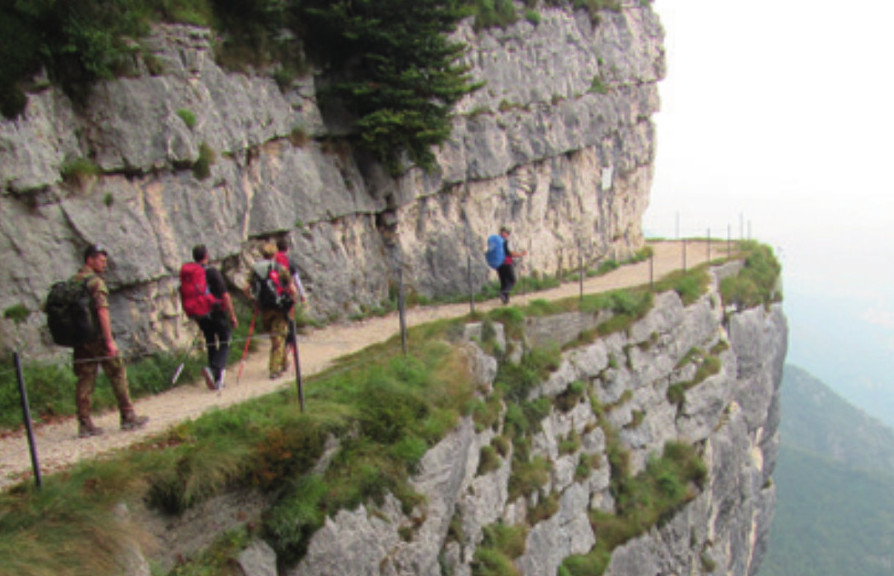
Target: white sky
782 113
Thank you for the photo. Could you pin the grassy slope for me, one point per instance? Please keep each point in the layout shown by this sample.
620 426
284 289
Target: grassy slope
835 509
830 520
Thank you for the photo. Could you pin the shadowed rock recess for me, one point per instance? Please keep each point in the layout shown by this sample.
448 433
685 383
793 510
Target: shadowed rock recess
567 165
730 418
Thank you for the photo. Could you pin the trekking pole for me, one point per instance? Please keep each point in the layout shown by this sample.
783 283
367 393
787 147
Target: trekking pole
298 379
26 412
183 360
251 330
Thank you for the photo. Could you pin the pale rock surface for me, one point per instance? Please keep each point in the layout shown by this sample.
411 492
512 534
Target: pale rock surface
732 417
568 168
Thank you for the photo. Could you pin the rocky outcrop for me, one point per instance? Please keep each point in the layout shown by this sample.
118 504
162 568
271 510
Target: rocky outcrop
559 143
731 416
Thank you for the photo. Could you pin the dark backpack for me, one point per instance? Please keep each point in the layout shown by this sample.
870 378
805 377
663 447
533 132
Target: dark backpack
70 315
267 288
195 296
496 251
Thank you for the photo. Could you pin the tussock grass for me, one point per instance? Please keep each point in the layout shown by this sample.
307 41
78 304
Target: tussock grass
385 410
644 501
500 545
757 283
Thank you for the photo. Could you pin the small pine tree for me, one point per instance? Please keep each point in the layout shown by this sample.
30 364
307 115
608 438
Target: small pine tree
393 67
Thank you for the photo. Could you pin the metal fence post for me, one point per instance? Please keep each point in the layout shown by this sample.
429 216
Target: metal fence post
26 412
299 381
580 262
471 289
402 309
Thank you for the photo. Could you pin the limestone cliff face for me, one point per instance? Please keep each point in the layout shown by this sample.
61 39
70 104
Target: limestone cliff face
731 417
568 167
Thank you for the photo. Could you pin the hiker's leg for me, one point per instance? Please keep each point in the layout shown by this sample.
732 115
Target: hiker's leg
216 328
224 333
278 333
510 277
116 372
85 370
506 281
274 328
206 324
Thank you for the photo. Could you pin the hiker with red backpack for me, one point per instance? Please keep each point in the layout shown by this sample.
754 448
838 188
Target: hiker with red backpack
205 299
274 293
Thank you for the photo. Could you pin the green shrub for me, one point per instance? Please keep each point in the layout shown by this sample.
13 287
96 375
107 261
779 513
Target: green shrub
571 444
486 413
201 168
598 85
218 557
533 17
642 502
604 268
78 171
294 518
493 13
758 281
488 460
584 467
18 313
188 117
676 393
501 445
546 508
528 476
489 562
571 396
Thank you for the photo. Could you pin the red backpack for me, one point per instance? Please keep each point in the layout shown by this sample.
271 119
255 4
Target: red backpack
195 296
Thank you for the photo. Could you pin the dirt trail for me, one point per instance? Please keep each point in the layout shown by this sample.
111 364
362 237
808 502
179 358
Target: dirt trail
58 446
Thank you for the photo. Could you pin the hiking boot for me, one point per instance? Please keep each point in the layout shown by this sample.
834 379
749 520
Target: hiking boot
87 428
220 381
133 422
209 378
504 298
275 375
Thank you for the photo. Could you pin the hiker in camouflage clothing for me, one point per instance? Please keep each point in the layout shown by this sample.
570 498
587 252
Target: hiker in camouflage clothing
103 352
275 319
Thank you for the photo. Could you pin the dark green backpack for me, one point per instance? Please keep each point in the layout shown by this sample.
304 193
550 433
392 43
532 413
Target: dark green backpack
70 317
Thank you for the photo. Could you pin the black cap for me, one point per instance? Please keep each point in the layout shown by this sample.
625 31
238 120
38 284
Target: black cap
93 250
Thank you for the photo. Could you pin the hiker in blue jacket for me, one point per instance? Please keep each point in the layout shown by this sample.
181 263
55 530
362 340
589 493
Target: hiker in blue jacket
506 271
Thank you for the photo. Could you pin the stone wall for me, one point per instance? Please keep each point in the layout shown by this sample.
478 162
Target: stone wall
569 168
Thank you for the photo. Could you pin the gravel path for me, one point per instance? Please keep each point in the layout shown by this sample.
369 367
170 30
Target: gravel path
59 447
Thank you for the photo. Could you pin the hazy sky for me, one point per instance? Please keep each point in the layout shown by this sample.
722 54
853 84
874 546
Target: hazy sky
781 114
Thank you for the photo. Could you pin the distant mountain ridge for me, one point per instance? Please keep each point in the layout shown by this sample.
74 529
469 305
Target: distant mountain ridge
817 420
835 507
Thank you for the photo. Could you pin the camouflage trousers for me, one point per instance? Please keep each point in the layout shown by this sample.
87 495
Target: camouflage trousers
276 324
86 372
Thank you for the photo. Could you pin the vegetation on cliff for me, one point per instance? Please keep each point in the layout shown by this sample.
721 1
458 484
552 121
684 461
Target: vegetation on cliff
372 417
388 66
382 410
